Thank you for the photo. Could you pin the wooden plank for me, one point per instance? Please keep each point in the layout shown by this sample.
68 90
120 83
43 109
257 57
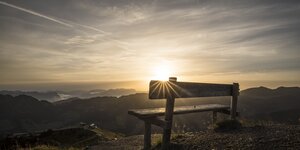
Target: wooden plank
156 121
151 112
165 89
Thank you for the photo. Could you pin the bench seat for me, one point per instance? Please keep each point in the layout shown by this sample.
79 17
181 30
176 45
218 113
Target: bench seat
154 112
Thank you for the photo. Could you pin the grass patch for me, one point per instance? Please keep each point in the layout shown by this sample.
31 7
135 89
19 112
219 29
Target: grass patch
157 144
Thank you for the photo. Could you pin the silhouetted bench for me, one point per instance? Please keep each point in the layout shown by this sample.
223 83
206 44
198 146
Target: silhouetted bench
172 89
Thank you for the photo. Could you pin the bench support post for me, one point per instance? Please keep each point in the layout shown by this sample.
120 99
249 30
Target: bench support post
214 117
168 119
147 136
234 99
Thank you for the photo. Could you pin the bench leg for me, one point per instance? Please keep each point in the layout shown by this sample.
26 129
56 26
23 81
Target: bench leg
234 99
147 136
214 117
166 137
169 120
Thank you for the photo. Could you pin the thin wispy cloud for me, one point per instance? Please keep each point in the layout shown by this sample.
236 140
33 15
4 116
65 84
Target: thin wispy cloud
53 19
86 27
66 23
36 14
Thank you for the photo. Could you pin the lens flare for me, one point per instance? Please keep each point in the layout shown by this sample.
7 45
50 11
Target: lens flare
163 72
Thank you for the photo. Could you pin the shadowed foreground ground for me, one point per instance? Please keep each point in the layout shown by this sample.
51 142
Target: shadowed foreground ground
255 137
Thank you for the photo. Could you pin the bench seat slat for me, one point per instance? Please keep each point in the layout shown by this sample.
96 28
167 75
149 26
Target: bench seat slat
152 112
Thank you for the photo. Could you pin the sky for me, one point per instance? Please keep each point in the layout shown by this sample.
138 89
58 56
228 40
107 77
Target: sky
75 44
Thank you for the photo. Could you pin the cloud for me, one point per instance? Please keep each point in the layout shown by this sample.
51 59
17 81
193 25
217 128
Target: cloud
36 14
73 25
202 38
65 23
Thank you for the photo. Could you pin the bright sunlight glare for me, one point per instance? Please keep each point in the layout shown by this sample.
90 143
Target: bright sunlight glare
163 72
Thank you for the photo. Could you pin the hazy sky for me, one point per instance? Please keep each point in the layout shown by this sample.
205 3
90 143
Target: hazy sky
72 42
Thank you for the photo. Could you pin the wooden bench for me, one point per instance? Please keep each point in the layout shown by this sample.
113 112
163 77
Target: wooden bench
172 89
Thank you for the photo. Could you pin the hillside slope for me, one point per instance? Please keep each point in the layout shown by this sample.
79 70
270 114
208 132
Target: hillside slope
65 138
26 114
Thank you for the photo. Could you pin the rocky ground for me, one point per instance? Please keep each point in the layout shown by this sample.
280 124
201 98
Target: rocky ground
126 143
253 137
257 137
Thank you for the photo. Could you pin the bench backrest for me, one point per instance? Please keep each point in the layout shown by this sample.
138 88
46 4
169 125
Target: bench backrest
174 89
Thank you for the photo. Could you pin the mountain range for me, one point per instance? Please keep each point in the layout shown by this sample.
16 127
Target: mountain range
25 113
53 96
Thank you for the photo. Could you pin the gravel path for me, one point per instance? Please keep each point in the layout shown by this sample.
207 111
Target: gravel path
253 138
269 137
126 143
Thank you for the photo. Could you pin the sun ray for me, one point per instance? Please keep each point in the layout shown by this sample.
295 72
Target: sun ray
156 84
159 90
171 88
167 89
181 89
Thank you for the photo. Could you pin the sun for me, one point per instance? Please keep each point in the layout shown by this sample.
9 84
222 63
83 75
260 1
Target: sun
162 72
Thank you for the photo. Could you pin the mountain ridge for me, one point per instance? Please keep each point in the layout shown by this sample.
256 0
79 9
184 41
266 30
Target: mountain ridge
25 113
53 96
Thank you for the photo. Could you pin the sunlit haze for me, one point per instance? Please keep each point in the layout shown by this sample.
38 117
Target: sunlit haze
162 71
46 45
